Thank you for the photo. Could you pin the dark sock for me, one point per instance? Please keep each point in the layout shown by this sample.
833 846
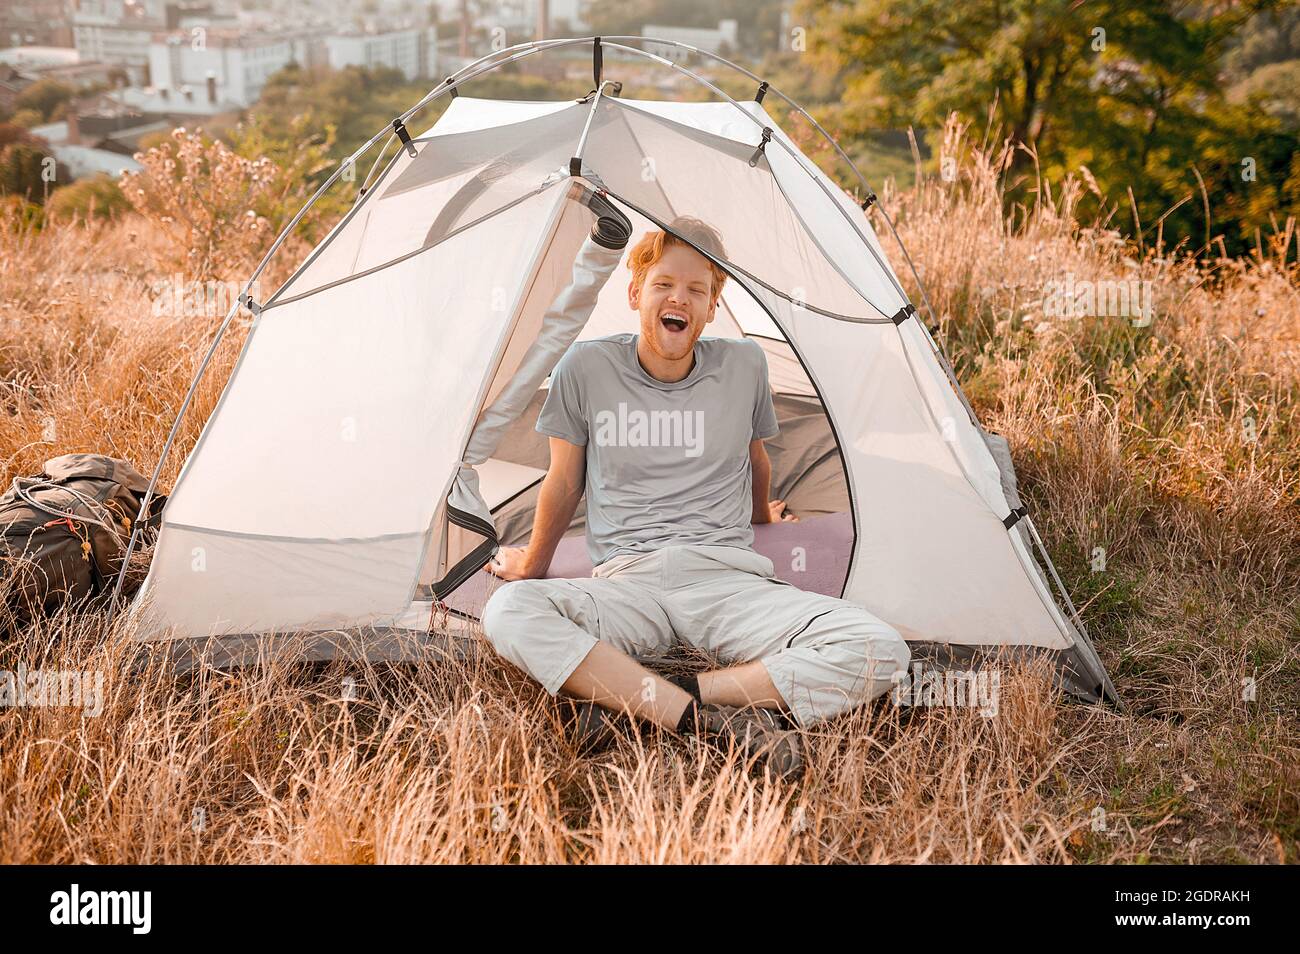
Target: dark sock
690 682
689 723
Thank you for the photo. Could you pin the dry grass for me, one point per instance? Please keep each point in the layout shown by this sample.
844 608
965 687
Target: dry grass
464 762
1134 440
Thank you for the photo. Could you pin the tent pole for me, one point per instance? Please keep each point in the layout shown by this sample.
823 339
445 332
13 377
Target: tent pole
575 164
532 46
1108 686
791 152
453 81
1056 577
167 446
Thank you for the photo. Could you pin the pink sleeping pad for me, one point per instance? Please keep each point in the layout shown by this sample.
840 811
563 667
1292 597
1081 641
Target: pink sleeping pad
812 553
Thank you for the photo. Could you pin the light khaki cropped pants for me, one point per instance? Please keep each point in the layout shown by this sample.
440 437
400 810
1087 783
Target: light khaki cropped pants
824 654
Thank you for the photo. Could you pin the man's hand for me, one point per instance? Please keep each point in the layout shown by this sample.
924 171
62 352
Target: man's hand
556 500
511 563
764 510
776 509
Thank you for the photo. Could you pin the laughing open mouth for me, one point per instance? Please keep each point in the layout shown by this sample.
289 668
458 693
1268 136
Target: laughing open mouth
673 322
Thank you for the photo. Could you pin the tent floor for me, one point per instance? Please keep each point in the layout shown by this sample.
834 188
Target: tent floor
825 542
388 645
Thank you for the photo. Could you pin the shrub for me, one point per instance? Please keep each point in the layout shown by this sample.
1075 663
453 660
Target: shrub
23 171
201 193
44 97
222 206
27 118
97 197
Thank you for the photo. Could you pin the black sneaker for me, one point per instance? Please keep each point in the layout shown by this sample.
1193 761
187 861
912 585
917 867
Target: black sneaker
760 735
589 727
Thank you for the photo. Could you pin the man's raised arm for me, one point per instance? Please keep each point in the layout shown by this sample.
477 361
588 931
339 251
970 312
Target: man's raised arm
556 501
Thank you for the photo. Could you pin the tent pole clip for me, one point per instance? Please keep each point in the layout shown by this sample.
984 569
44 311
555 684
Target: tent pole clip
1015 516
869 201
767 137
399 127
246 300
615 89
762 91
907 311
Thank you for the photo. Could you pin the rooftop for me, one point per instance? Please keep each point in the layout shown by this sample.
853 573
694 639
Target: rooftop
33 57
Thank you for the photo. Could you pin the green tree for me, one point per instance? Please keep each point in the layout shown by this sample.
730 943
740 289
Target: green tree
27 118
301 158
1131 89
23 171
45 97
355 102
27 166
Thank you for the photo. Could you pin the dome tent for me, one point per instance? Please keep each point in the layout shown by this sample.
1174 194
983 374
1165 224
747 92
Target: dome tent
373 445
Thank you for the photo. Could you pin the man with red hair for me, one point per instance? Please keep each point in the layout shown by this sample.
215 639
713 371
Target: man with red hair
664 431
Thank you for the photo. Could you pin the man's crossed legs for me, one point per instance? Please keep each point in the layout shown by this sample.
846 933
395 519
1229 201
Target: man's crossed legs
811 655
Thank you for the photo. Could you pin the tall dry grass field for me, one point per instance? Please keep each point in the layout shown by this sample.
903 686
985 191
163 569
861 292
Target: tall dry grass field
1173 450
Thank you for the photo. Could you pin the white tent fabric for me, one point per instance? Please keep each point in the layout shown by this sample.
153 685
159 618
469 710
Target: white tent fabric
277 520
376 383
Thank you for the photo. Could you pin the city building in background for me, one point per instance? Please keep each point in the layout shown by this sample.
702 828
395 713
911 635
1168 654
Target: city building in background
722 39
139 67
35 23
209 70
414 51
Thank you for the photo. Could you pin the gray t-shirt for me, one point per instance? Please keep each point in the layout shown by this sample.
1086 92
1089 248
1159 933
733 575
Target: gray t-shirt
667 464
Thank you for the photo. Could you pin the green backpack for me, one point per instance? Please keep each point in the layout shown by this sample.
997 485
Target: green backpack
63 533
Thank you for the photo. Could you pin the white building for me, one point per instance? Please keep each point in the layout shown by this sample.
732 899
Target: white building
35 58
518 13
121 32
568 10
716 40
518 17
83 160
117 31
413 51
200 70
